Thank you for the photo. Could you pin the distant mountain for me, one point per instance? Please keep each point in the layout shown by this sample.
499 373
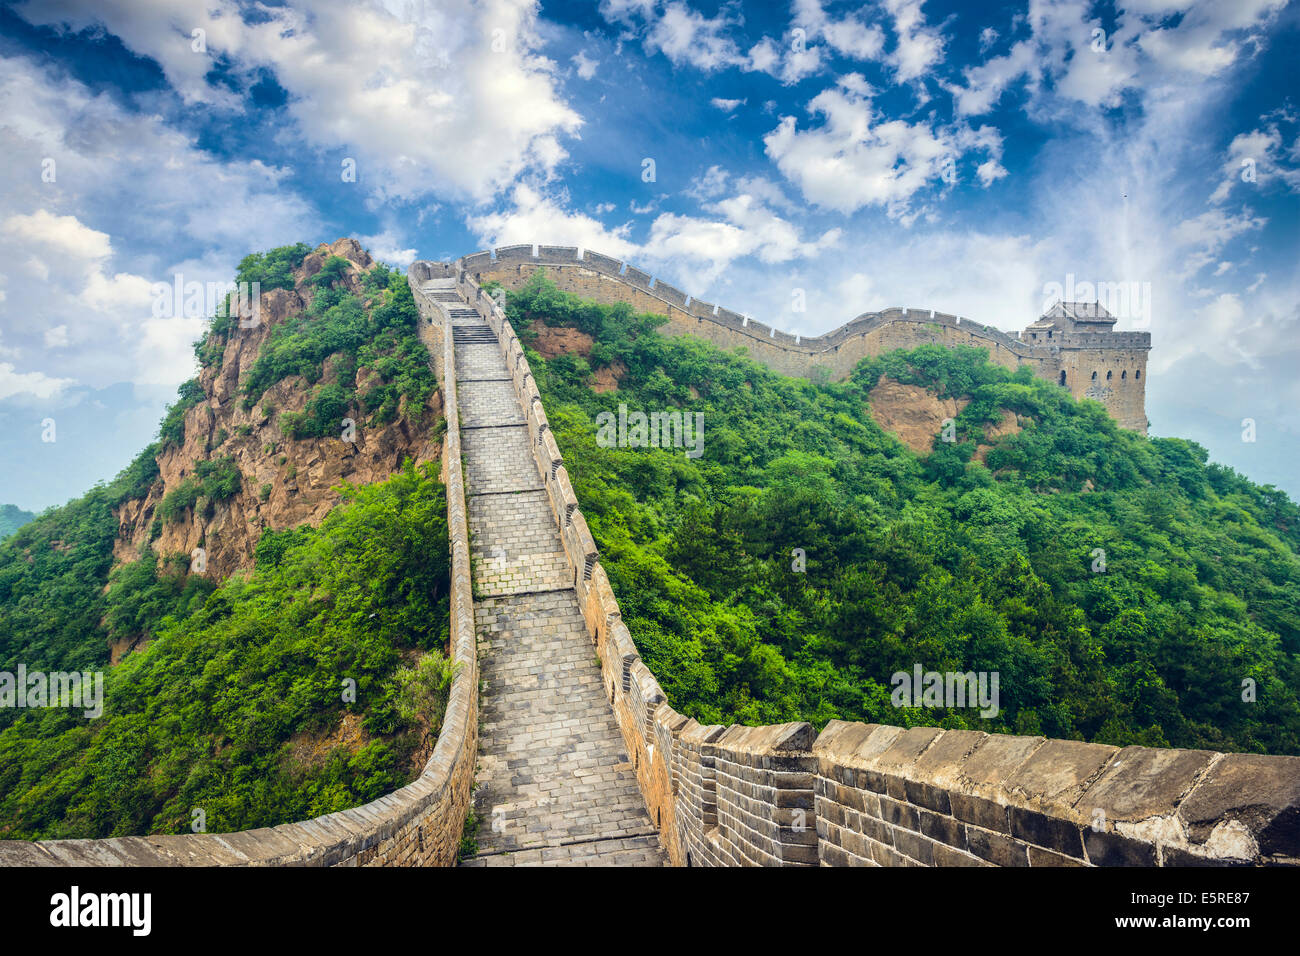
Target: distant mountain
12 518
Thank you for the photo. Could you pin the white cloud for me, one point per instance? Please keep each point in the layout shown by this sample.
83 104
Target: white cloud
919 47
387 247
701 248
1147 51
857 157
685 36
585 65
849 35
727 106
78 306
62 234
690 249
534 217
393 86
1200 239
1258 160
36 384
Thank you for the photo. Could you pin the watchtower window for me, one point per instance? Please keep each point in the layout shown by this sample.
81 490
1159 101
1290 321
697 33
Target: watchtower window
1049 334
1123 375
1137 374
1062 376
1108 374
1094 376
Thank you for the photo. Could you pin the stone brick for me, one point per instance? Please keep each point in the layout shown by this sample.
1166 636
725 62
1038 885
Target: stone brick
995 847
1046 831
1262 793
1106 848
981 812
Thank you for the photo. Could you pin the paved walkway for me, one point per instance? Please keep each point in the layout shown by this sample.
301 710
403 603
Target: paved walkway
554 786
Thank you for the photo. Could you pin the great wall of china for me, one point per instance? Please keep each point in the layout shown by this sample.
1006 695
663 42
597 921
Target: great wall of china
1076 349
584 761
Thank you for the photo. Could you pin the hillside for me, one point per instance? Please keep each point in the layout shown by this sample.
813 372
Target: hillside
1125 589
253 443
12 518
265 585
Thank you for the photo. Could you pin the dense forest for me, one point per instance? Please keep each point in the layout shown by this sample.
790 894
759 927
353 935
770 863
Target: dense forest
1125 589
313 683
239 706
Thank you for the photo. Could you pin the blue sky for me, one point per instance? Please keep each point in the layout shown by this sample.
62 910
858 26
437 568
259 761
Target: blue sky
954 156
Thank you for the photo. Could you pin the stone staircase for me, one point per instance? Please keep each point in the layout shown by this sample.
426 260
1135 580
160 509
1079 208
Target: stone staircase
554 785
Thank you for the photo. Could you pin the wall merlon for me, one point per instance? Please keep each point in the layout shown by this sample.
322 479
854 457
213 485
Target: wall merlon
603 264
670 294
702 309
637 278
476 261
514 253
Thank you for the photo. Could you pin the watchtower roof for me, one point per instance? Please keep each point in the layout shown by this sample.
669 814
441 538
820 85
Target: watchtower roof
1076 317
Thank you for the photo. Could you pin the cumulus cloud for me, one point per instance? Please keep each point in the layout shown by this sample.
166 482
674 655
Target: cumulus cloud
1259 158
61 234
919 46
727 106
531 216
688 37
1153 46
789 63
858 157
849 35
585 66
694 249
78 306
429 98
36 384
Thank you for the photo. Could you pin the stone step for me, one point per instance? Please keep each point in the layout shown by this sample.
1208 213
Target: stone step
473 335
554 784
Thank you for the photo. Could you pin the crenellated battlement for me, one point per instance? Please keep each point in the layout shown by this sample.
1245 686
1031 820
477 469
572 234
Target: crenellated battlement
1050 351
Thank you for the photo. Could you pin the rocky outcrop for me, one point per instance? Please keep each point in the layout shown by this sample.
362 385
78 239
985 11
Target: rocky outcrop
285 482
912 413
553 341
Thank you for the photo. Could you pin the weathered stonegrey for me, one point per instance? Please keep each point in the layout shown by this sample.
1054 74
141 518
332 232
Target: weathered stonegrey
1109 367
554 785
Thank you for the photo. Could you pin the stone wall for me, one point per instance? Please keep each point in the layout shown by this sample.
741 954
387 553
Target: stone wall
875 795
834 354
419 825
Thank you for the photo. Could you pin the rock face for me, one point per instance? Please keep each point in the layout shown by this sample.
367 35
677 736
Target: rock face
916 415
913 413
285 482
554 341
